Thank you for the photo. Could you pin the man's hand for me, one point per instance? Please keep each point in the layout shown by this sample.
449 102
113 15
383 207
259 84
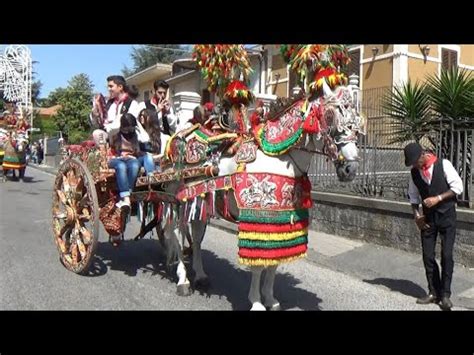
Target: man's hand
161 104
421 223
431 201
97 99
166 105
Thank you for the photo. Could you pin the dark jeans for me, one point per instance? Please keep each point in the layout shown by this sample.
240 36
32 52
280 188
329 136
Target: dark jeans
443 224
126 173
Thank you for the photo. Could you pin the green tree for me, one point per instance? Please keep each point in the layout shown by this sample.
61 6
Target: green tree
148 55
73 116
452 93
35 87
53 97
35 92
409 107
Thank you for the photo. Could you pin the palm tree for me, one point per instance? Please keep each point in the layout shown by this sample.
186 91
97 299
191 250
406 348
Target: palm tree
452 93
440 108
452 97
409 107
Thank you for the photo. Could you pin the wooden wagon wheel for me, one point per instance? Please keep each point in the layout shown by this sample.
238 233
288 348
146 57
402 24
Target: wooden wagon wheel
75 215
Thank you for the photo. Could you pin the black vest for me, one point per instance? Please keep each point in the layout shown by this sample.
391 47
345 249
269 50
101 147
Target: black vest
164 118
437 187
125 107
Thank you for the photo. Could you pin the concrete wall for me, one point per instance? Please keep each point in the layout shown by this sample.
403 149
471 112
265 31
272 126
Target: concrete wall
387 223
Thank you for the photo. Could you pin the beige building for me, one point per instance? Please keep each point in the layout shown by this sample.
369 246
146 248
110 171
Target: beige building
378 66
385 65
188 88
144 80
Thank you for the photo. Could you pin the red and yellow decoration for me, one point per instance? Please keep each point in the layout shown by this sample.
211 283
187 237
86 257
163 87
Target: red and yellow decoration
238 93
221 64
317 62
273 220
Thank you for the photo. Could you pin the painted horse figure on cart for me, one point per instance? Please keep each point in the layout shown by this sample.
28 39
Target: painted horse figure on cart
263 183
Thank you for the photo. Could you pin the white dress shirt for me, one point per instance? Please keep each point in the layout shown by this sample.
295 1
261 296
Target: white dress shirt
172 119
113 115
452 178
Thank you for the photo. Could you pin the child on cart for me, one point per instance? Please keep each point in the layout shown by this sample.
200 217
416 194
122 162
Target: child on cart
126 158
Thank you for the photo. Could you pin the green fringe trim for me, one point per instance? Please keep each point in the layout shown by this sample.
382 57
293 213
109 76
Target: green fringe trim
261 244
276 217
201 135
282 147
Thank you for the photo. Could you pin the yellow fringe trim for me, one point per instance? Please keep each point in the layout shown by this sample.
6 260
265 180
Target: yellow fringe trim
14 165
187 132
269 262
273 236
222 136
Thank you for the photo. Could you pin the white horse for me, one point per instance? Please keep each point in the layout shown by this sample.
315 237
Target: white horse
338 142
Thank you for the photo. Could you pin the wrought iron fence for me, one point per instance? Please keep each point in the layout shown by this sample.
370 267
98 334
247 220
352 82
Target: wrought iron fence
382 172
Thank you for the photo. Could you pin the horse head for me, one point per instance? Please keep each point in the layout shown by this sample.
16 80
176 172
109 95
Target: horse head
340 126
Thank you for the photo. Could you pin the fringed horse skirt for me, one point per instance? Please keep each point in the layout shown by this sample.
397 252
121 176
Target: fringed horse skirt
273 219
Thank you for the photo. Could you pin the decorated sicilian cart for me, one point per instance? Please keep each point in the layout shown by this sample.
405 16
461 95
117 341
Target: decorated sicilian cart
85 194
248 168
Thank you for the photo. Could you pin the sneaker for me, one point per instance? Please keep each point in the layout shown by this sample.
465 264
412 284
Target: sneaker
121 204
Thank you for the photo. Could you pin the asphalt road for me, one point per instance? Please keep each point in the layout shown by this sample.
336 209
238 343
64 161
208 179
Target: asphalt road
134 277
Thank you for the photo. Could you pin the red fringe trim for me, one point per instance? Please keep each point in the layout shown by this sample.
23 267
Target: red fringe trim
273 228
273 253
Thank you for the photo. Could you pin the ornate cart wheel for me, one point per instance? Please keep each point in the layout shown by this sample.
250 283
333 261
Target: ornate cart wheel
75 216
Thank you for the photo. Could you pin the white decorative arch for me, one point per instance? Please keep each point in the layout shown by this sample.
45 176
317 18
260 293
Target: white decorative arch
15 76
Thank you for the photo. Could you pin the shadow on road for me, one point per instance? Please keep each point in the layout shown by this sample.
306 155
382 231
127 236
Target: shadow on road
130 258
405 287
234 283
226 280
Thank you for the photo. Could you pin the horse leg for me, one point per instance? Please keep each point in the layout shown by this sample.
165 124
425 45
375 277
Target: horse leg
254 293
22 174
198 228
184 230
267 289
173 251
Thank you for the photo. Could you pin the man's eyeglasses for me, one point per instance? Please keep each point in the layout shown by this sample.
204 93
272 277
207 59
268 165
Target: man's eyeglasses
161 92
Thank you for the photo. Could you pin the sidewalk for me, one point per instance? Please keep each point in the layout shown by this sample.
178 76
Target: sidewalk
393 269
45 168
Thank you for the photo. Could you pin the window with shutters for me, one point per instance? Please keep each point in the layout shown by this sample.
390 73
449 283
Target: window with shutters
354 66
449 58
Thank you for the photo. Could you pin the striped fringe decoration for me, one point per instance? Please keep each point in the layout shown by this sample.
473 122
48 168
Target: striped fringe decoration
269 238
199 208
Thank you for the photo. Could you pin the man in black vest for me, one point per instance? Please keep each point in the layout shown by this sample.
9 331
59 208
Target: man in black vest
158 103
434 183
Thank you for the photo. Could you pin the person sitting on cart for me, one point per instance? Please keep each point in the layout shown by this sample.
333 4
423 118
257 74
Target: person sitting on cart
150 123
127 158
119 103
